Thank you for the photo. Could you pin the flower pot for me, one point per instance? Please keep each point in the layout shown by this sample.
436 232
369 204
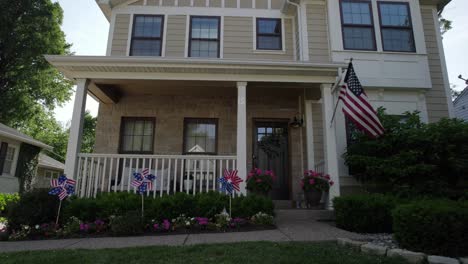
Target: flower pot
312 197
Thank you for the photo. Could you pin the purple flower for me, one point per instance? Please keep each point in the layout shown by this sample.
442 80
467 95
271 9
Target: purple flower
155 227
203 221
166 224
84 227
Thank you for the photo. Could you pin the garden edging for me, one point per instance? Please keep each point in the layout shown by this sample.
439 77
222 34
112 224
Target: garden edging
410 256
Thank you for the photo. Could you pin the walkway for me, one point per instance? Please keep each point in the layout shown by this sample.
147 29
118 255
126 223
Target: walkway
293 225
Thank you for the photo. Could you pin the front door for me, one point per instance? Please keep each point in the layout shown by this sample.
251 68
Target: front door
270 152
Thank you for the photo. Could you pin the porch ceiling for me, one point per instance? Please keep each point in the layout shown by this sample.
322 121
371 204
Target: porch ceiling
190 69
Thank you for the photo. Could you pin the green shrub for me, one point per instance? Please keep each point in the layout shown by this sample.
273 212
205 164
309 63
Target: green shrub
85 209
34 207
247 206
128 224
117 203
6 198
365 213
437 227
209 204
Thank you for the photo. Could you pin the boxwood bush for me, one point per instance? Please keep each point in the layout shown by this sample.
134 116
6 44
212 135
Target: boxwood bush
437 227
365 213
6 198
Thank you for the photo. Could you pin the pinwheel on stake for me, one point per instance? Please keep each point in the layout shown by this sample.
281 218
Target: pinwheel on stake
230 184
62 187
143 182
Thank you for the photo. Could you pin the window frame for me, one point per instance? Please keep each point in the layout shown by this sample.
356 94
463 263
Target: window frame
410 27
121 135
371 26
14 161
189 52
268 34
188 120
133 37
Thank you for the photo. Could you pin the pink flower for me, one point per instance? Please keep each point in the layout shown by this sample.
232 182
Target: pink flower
155 227
259 180
327 177
331 183
311 181
166 224
258 171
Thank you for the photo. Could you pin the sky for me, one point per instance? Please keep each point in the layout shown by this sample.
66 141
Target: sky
87 29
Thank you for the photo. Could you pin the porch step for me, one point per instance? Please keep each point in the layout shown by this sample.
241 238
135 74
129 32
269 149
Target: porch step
283 204
305 214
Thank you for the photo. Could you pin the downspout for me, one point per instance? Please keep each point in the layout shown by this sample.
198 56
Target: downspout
300 26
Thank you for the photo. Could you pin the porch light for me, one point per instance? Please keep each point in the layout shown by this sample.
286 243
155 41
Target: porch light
297 122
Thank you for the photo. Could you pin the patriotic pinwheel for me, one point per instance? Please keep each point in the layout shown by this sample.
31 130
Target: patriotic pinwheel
230 181
62 187
143 181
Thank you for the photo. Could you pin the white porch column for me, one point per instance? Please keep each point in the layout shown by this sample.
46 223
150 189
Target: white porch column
242 133
331 155
76 128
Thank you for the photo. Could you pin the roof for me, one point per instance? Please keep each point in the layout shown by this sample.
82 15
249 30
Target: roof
12 133
50 163
463 93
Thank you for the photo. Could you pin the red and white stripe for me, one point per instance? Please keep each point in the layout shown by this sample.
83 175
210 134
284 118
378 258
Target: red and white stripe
359 110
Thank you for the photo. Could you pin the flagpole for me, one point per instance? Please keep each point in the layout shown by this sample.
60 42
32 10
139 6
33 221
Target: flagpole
336 105
58 214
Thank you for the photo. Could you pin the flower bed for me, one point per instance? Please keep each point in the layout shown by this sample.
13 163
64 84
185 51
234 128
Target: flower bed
119 214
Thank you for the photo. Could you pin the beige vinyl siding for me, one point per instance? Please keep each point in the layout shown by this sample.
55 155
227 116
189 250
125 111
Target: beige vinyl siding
199 3
261 4
137 3
436 98
230 3
120 35
184 2
317 31
168 2
317 126
215 3
238 40
175 36
277 4
152 2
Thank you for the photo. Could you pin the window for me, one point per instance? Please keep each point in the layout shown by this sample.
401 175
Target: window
200 135
357 25
204 37
8 162
269 34
137 135
51 174
147 35
396 27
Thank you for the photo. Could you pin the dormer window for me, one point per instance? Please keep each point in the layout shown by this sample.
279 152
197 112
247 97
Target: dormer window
269 34
396 27
147 35
357 25
204 37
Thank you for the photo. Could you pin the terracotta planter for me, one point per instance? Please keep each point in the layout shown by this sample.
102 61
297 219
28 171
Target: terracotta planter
312 197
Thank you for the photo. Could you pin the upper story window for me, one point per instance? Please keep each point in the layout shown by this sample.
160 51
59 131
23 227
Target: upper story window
357 25
396 27
147 35
200 135
204 37
7 157
269 34
137 135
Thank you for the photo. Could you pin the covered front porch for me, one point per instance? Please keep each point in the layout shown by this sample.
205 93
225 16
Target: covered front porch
238 106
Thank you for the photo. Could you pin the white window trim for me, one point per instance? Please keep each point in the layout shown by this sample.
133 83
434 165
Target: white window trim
15 159
130 32
254 37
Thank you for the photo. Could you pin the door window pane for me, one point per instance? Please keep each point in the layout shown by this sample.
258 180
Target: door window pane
147 35
204 37
396 27
358 27
200 135
269 34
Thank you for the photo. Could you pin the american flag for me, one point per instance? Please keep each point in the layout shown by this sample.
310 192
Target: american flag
143 181
62 187
357 107
230 181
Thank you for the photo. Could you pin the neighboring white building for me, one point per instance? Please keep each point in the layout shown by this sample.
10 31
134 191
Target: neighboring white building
460 105
11 142
47 168
223 74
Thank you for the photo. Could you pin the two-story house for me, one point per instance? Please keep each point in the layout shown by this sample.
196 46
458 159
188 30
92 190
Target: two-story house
189 88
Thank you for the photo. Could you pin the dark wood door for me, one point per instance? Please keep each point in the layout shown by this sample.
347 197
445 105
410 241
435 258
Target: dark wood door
271 153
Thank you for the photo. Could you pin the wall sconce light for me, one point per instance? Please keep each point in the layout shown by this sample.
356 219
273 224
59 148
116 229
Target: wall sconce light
297 121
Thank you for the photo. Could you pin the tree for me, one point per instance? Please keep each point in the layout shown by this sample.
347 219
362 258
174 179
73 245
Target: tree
29 85
445 24
89 133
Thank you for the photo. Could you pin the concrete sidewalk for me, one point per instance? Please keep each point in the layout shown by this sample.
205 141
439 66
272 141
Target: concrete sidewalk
293 225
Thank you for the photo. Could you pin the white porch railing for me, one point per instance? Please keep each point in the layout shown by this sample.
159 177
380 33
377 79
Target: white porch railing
174 173
320 167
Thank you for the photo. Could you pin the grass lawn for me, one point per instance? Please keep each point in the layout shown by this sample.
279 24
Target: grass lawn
251 252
